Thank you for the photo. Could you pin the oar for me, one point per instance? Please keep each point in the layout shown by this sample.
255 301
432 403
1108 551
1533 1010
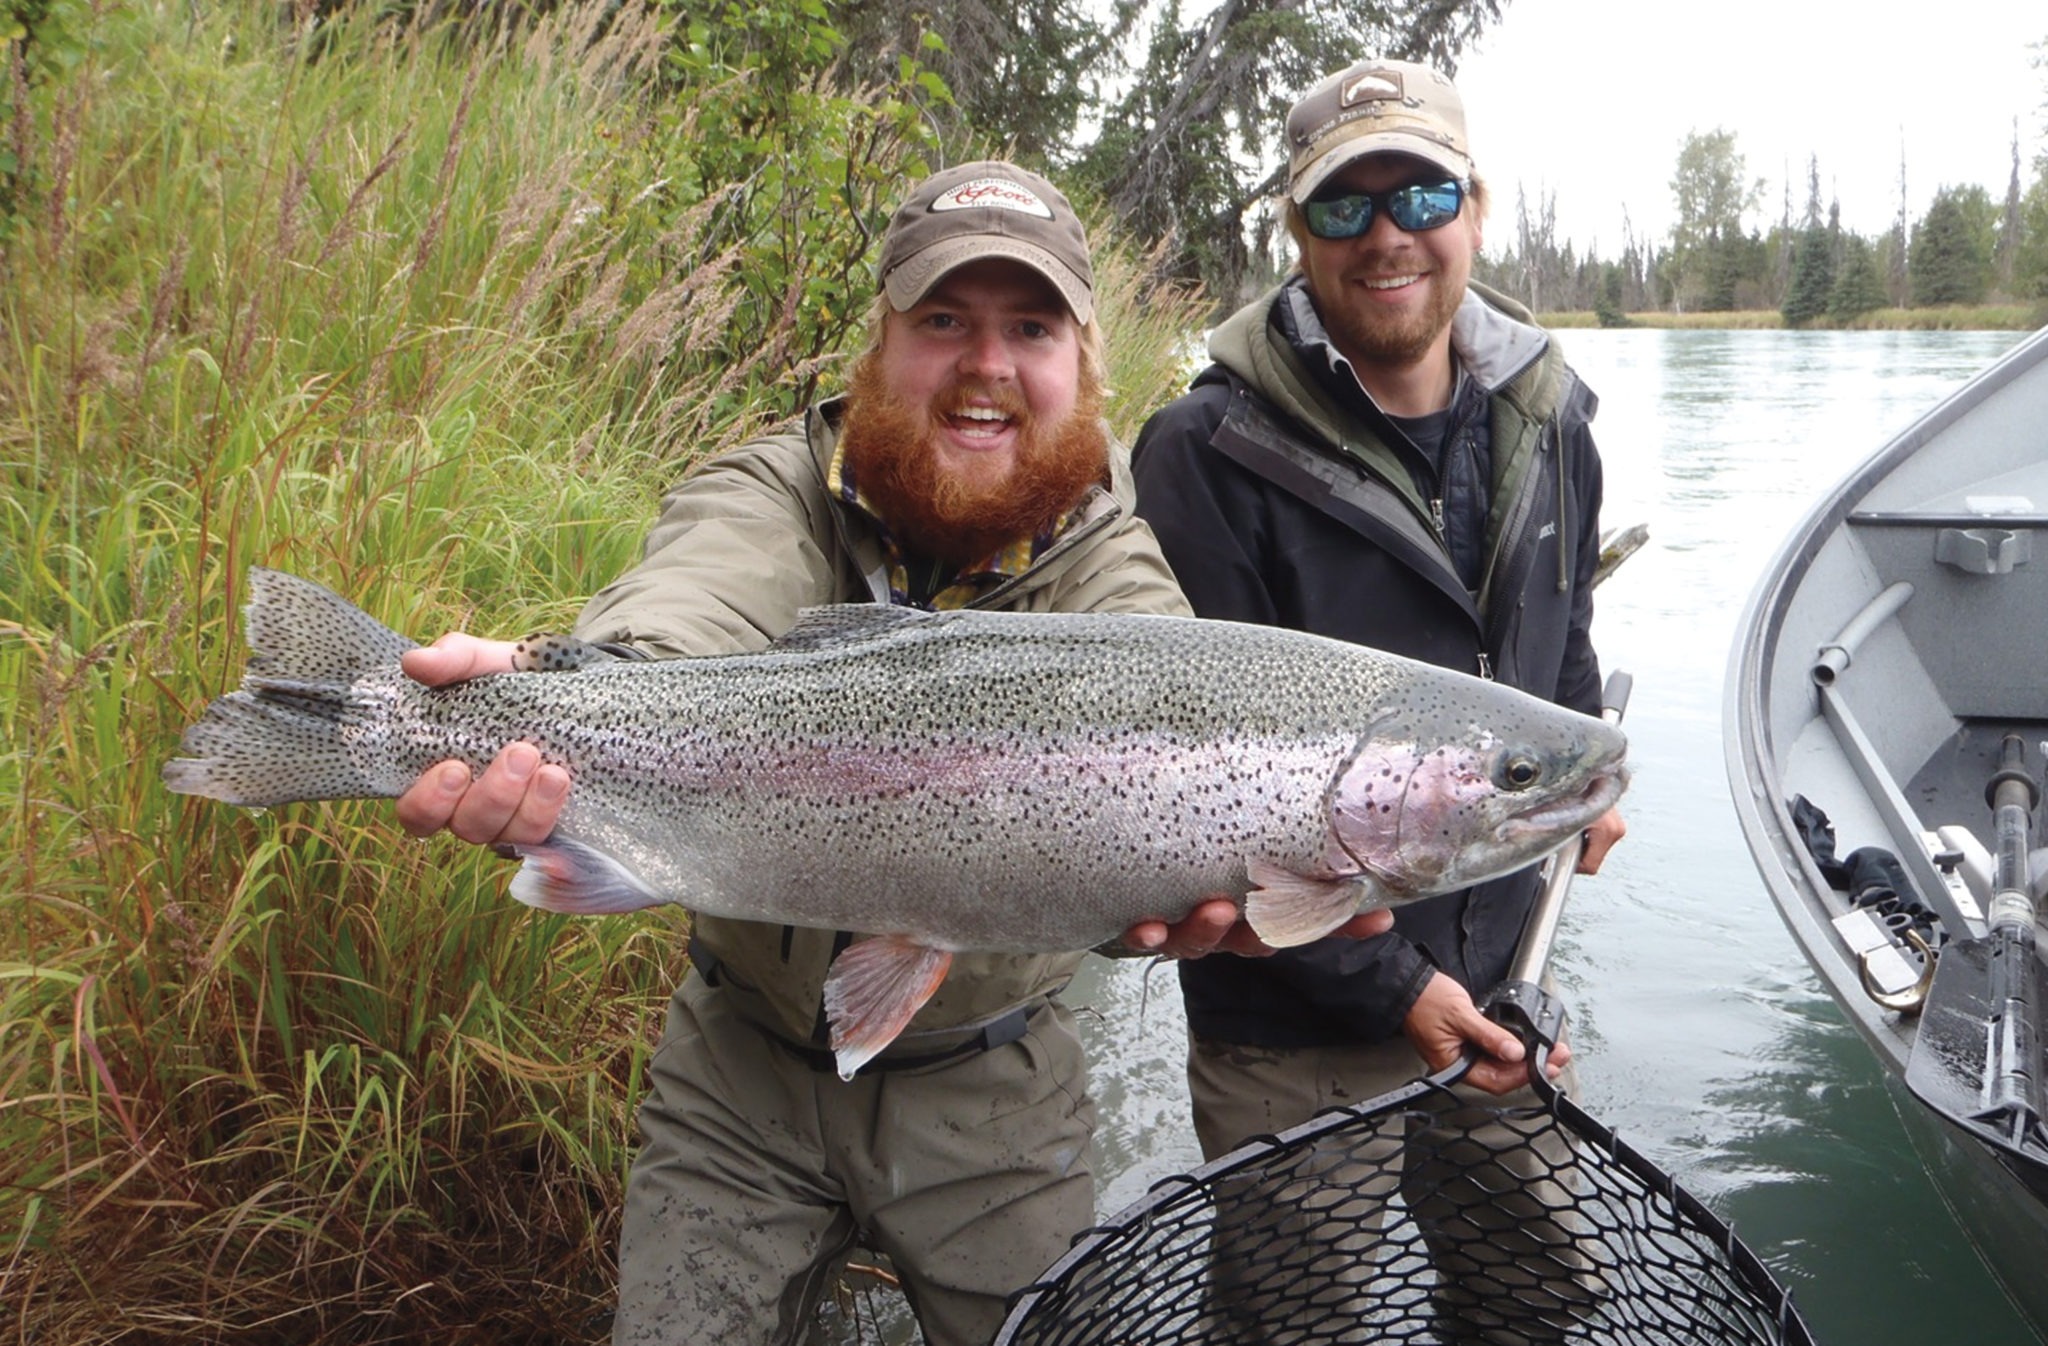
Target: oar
1976 1057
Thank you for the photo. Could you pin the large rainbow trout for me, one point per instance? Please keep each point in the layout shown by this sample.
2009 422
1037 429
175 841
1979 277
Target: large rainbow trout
954 781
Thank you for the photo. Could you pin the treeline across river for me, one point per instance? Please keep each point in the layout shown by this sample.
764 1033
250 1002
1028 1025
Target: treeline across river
1968 261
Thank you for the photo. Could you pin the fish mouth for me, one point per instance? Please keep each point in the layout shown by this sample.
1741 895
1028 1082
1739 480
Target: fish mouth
1600 793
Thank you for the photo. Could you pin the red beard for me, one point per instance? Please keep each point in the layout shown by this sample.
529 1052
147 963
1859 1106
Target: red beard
937 514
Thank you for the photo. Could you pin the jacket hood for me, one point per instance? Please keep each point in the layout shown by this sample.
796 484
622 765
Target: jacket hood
1496 339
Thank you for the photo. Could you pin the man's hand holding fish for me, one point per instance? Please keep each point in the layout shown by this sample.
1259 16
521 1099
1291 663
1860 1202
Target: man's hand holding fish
516 799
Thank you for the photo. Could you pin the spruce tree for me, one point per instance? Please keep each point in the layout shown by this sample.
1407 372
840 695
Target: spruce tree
1812 269
1607 307
1951 262
1724 270
1813 277
1859 285
2030 256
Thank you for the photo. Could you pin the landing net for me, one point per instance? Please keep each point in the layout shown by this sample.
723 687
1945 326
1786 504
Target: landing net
1414 1218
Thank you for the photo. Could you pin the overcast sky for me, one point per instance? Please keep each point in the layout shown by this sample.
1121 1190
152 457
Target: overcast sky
1590 100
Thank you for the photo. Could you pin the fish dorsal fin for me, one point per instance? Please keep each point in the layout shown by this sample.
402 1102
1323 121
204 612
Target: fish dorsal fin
304 632
838 625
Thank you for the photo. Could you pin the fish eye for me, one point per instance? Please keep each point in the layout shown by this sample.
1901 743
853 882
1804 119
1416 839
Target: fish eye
1520 772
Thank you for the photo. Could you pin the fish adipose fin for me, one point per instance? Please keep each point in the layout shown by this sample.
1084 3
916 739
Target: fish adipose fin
284 735
548 652
578 880
1286 908
876 985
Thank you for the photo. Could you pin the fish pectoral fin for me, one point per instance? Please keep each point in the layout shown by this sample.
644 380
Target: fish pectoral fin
874 988
578 880
1286 908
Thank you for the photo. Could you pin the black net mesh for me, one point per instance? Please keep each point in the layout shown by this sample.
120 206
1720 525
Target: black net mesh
1415 1218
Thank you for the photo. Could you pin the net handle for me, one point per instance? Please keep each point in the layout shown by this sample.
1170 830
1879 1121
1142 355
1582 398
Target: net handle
1519 1003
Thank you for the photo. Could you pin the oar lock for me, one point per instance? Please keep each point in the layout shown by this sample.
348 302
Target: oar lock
1910 1000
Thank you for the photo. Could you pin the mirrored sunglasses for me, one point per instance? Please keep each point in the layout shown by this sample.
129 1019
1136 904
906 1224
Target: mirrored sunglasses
1416 207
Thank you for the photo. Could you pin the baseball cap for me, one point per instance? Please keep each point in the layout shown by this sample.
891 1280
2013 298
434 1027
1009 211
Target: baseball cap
987 208
1375 107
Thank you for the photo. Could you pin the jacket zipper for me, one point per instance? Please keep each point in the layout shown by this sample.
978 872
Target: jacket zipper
1508 580
1443 538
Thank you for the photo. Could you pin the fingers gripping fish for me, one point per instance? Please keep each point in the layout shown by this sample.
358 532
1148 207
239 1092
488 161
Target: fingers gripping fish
964 781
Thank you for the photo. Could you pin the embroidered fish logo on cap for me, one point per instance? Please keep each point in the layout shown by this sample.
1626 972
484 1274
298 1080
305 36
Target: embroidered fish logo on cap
1374 86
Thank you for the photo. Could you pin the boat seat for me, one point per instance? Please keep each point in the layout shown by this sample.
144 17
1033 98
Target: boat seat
1969 569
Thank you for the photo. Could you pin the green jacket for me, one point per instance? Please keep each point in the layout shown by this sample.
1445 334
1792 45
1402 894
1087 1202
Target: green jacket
1498 345
754 535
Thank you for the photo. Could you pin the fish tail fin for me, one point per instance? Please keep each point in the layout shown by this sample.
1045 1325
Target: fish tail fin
300 631
874 989
1286 909
283 735
578 880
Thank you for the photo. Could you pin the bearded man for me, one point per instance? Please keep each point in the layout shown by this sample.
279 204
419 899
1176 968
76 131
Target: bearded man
1386 452
967 466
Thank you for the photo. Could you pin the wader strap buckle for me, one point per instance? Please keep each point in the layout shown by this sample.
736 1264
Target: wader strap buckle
705 961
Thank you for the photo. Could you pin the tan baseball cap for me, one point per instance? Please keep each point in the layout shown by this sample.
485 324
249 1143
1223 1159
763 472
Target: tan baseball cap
1375 107
986 209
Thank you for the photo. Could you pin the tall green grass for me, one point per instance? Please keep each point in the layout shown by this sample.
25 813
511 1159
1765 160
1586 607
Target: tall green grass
411 312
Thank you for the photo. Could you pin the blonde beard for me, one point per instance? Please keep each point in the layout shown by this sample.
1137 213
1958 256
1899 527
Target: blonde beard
1376 339
942 516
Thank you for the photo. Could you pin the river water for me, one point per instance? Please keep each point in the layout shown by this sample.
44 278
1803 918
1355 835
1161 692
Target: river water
1700 1032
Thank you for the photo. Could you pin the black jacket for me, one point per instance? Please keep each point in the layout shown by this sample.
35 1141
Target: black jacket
1281 495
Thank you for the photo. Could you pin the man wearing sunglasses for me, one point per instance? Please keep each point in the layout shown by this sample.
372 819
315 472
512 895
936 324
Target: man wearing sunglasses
1386 452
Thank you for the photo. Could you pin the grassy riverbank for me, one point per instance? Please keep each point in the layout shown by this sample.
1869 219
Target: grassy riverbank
1975 318
431 317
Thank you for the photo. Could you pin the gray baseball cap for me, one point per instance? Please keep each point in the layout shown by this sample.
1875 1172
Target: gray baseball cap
986 209
1375 107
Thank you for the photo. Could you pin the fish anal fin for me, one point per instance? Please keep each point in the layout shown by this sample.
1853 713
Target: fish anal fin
874 988
578 880
1286 908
